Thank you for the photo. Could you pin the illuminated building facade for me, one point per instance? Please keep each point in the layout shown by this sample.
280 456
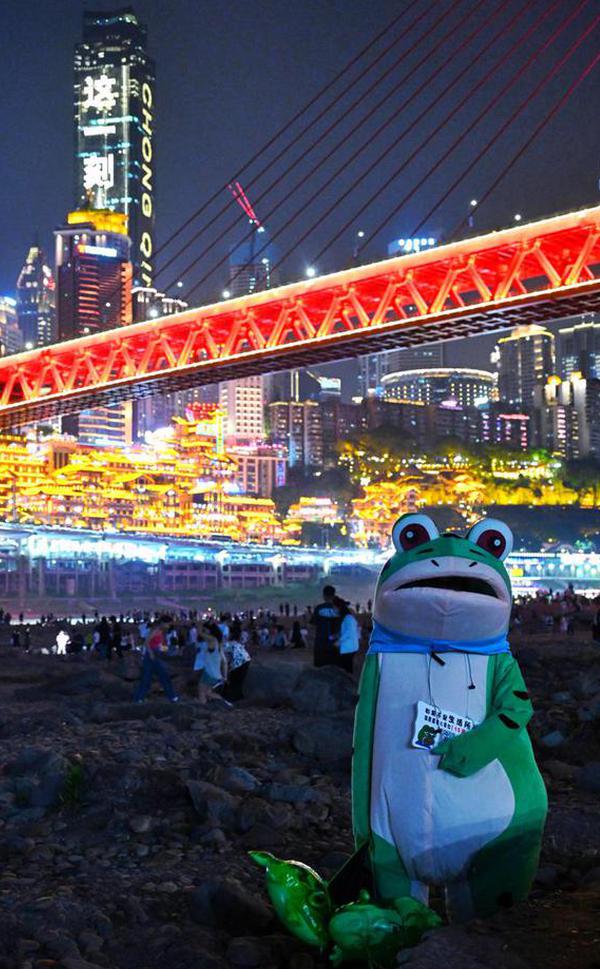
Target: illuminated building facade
298 426
183 483
525 361
243 403
36 301
93 274
260 468
568 413
11 337
579 348
464 386
114 127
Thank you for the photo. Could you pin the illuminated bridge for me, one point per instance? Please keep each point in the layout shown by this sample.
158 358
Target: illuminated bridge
530 273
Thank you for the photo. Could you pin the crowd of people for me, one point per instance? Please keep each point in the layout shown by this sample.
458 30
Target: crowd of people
218 648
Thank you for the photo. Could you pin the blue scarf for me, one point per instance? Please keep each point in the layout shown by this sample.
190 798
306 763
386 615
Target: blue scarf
387 641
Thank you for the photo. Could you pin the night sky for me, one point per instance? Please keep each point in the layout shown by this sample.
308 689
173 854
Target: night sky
231 72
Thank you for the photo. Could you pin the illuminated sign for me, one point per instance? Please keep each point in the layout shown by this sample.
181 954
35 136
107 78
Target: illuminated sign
414 244
99 171
99 93
98 251
146 245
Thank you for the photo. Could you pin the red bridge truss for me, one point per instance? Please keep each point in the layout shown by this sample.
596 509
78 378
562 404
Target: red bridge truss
529 273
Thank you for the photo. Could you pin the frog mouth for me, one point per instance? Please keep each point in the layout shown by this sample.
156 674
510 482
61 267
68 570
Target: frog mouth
456 583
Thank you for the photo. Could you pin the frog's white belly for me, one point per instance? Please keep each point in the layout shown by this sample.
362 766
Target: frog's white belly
436 820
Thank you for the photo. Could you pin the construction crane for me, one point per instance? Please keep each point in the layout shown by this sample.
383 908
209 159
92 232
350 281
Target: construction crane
256 277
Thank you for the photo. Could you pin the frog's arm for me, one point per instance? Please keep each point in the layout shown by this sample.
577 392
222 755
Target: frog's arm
364 725
509 712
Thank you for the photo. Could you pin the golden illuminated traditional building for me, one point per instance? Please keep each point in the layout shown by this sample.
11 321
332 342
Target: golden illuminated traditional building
181 483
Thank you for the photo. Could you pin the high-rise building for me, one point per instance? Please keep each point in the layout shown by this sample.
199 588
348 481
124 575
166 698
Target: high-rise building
251 264
298 426
36 308
525 361
444 385
93 277
93 273
563 410
114 127
243 403
579 347
11 338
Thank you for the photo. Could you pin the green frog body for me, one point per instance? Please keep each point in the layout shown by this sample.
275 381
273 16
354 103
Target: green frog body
468 813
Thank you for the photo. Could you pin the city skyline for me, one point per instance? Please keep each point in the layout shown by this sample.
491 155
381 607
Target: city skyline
206 127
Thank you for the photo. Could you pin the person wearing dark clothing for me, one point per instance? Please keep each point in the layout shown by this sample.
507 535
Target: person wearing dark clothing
326 620
296 639
104 642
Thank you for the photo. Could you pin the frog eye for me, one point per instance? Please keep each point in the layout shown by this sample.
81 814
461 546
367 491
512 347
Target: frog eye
410 531
492 536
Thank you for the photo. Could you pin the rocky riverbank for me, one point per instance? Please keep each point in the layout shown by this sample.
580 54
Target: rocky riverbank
124 828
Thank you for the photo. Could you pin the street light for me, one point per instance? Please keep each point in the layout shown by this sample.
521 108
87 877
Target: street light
311 272
226 294
179 283
518 217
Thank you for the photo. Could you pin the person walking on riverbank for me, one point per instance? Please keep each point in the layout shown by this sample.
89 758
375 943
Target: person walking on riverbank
152 664
210 663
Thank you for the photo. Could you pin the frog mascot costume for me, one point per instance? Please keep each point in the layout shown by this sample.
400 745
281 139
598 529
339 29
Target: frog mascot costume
445 788
466 812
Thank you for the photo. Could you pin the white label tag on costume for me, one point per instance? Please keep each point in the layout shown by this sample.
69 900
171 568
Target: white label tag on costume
433 725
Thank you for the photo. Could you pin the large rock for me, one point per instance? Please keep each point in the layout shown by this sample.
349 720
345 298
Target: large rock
213 805
456 947
327 740
226 905
324 690
588 778
271 685
38 777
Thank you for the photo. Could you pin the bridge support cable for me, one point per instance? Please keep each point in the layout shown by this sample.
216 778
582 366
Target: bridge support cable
356 103
495 100
399 138
564 98
498 64
300 114
331 105
546 79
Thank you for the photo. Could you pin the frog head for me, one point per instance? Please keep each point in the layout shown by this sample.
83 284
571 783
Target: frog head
446 587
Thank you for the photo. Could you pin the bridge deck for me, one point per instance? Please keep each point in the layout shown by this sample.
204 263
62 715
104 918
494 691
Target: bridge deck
530 273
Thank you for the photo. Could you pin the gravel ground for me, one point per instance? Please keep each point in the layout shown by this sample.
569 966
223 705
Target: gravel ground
124 828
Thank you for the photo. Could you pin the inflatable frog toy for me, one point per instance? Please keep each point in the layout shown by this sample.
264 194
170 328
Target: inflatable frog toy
362 930
467 811
299 896
445 788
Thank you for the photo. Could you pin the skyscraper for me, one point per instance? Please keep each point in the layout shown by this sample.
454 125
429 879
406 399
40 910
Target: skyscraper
114 127
11 338
93 277
93 272
526 360
36 309
579 347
